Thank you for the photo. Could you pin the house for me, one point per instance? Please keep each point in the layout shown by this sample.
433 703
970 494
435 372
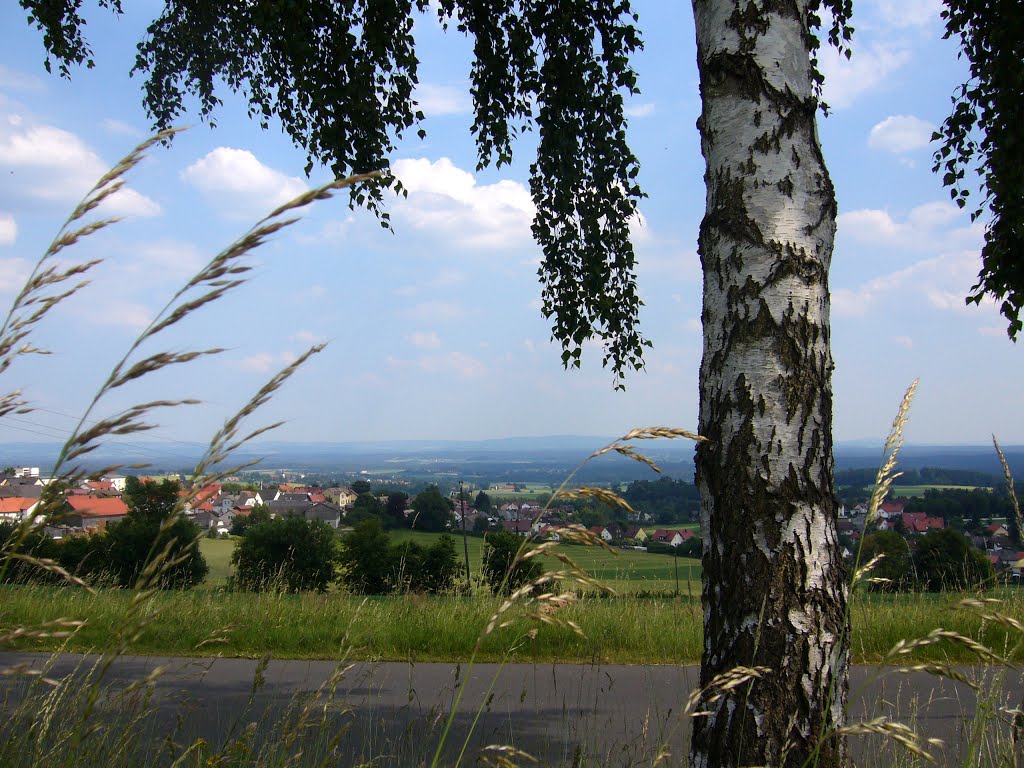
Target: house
99 487
119 482
996 529
16 508
324 511
888 510
522 527
919 522
343 497
602 532
90 513
671 537
636 533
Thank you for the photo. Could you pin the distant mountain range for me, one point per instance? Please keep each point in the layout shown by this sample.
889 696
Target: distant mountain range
496 459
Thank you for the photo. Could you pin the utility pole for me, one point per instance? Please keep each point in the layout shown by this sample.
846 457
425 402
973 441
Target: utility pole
465 541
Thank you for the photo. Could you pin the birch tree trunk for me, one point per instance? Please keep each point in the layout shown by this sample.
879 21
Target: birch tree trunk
774 591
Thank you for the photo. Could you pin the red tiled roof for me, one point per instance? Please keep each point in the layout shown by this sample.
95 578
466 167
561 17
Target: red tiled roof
16 504
98 506
100 485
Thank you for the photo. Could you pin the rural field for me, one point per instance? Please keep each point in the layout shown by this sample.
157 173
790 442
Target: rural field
624 571
642 623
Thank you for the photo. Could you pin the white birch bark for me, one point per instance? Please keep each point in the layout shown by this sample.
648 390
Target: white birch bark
774 591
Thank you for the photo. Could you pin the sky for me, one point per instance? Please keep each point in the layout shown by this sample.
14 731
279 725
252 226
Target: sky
434 331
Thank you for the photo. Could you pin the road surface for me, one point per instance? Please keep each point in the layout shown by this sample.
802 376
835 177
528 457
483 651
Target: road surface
601 715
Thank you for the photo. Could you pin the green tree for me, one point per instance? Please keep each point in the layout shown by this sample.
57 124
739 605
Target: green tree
432 511
241 524
150 501
154 521
394 509
366 505
482 503
35 545
366 559
359 487
500 550
896 565
945 560
286 554
432 569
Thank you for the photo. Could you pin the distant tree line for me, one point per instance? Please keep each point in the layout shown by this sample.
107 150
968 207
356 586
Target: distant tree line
924 476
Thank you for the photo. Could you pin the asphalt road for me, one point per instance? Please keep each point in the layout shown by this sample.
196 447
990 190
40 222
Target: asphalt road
603 715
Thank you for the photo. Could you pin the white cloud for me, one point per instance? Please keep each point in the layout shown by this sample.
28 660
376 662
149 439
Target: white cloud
940 282
446 278
8 229
436 311
236 179
901 133
13 273
308 338
261 362
425 340
264 362
120 314
173 258
435 100
120 128
995 331
447 201
20 80
904 341
896 14
645 109
53 165
926 227
847 79
457 363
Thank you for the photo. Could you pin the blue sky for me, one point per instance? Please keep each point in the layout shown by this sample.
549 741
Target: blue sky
435 331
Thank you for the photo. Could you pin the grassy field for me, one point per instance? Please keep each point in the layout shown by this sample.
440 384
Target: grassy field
625 571
621 630
918 490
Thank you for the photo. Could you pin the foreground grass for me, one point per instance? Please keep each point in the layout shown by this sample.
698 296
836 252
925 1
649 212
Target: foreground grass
622 630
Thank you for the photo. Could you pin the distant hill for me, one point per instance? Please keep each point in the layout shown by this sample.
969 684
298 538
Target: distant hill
526 459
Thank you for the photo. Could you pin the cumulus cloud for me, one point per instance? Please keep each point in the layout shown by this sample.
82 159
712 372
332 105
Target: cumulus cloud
847 79
13 273
50 164
308 338
901 133
645 109
173 258
904 341
238 181
444 279
940 282
898 14
119 314
447 201
264 362
437 311
927 227
436 100
120 128
457 363
8 229
425 340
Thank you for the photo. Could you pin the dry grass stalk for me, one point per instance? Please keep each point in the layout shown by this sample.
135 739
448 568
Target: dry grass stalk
720 686
893 443
503 756
984 654
898 732
1008 475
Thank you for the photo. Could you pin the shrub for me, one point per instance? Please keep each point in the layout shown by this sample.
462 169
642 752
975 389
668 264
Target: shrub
128 547
365 559
500 549
945 560
896 564
286 554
